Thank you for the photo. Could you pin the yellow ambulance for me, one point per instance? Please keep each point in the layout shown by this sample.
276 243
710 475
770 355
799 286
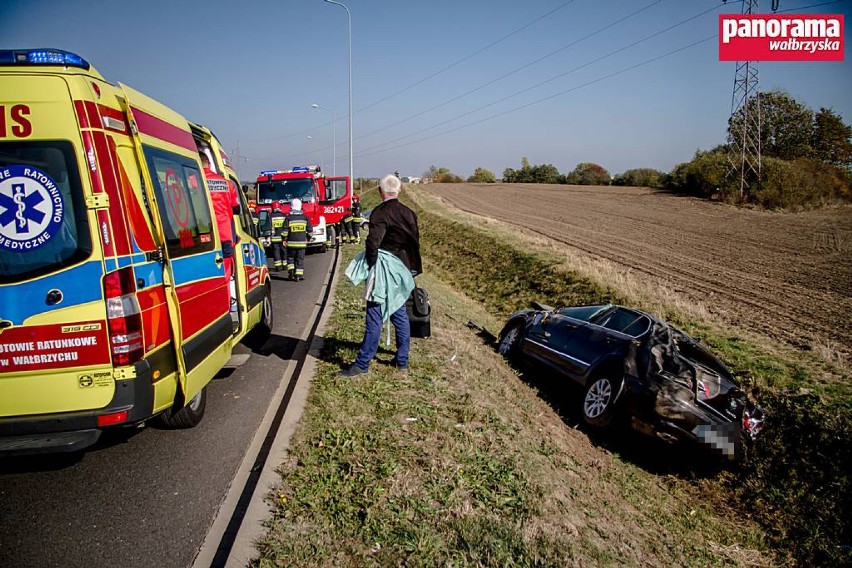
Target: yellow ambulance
114 305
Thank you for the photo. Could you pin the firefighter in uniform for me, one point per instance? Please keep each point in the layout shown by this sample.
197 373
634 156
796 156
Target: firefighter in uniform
297 229
346 235
277 239
355 224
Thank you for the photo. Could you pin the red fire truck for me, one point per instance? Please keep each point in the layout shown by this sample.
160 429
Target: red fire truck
325 201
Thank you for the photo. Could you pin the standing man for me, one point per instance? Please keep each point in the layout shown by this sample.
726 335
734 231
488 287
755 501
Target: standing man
297 231
395 234
225 206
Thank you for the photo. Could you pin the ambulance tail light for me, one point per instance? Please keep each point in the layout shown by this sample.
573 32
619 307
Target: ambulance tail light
123 316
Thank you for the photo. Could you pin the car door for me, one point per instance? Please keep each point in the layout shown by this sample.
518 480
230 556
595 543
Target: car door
604 338
546 338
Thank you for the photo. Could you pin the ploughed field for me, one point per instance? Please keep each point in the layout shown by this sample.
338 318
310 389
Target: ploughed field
787 276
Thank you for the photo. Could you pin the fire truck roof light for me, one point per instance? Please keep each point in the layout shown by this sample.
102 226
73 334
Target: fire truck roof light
267 172
300 169
42 57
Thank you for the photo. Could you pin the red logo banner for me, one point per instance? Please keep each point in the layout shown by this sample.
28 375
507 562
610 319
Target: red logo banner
800 37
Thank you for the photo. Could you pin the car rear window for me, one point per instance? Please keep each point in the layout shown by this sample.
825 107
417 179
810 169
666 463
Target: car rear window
583 313
43 222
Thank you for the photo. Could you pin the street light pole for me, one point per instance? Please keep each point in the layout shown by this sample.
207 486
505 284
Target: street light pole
333 135
351 151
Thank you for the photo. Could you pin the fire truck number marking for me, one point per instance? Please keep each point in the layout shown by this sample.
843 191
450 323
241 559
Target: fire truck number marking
333 209
21 127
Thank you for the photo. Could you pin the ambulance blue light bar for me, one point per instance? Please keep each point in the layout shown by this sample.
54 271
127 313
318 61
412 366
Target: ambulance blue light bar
42 57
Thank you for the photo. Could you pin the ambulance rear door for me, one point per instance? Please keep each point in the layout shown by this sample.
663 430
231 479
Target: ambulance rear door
54 349
194 274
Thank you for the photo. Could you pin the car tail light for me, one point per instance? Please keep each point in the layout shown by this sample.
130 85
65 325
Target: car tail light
707 386
123 316
752 421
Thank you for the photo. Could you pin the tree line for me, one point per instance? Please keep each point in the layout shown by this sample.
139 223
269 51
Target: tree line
806 161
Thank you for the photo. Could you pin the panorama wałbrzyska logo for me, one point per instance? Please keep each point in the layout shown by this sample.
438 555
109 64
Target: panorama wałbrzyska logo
31 208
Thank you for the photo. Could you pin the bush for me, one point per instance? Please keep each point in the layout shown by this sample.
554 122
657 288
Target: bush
587 173
705 176
640 177
800 183
481 175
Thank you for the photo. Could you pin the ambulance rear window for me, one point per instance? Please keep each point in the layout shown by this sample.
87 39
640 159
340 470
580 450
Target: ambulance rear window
43 223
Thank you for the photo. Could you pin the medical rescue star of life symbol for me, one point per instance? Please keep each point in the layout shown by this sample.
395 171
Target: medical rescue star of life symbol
175 197
31 208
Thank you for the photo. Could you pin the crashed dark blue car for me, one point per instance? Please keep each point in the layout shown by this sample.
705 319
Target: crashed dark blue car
634 366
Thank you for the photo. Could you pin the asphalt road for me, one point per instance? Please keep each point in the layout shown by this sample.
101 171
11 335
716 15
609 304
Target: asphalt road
147 497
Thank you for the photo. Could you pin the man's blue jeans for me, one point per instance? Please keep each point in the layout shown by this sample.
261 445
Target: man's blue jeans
373 334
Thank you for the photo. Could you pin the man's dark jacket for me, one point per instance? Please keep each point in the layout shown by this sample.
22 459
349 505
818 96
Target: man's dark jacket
393 227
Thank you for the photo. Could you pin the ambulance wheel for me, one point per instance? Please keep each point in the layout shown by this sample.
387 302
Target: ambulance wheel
264 326
188 416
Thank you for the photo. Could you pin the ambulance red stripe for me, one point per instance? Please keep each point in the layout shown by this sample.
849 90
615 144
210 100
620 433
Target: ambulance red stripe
201 303
121 239
138 224
158 128
93 115
115 115
80 109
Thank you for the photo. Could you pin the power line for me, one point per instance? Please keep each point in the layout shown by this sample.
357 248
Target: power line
550 80
516 70
435 74
463 59
559 94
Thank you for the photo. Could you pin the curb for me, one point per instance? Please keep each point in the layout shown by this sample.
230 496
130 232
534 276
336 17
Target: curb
257 511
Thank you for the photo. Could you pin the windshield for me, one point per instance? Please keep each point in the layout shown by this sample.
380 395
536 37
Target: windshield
43 225
286 189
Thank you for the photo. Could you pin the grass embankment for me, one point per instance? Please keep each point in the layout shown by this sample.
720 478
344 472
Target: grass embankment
797 480
461 463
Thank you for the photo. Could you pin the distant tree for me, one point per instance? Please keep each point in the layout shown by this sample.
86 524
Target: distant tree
431 172
443 175
640 177
481 175
542 173
786 125
832 139
587 173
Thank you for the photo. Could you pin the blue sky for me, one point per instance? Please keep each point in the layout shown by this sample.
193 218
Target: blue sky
434 81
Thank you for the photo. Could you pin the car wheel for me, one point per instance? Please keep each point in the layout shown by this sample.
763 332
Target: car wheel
600 400
187 417
510 342
267 319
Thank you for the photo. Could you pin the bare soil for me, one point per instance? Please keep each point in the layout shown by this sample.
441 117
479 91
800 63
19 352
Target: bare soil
786 276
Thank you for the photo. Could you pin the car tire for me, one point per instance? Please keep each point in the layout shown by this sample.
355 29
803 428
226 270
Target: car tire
601 399
187 417
509 344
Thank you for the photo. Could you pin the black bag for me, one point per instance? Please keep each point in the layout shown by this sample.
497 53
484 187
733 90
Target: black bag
419 313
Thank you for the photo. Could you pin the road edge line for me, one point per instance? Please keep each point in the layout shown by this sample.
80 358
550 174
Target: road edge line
243 549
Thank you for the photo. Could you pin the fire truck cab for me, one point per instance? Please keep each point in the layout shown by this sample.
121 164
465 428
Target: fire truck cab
325 201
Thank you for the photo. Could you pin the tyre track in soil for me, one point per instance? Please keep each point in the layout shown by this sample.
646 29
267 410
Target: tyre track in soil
786 276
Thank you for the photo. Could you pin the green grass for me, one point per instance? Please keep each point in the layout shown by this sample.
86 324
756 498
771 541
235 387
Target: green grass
463 464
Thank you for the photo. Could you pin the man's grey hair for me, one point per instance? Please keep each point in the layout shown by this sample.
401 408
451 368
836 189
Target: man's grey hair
390 185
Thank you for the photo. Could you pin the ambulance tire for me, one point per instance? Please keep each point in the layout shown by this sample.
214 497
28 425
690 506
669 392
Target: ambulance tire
258 335
267 316
187 417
